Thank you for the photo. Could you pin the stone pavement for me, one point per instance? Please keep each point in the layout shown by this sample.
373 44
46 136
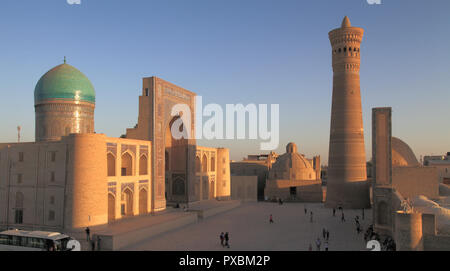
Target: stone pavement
249 229
142 227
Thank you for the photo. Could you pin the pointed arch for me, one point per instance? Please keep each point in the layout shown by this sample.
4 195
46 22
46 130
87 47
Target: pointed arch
127 164
127 202
204 163
111 161
111 207
213 164
143 165
198 164
143 200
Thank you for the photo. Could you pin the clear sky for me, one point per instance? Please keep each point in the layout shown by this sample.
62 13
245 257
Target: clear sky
234 51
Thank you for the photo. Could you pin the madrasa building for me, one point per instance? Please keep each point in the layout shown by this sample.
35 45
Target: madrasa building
72 177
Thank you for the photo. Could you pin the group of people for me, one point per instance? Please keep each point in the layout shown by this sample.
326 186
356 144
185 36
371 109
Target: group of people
318 244
389 244
342 213
310 214
325 232
92 242
371 234
224 239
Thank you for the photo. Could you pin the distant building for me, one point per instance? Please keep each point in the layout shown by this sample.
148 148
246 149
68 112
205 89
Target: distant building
295 178
442 163
253 165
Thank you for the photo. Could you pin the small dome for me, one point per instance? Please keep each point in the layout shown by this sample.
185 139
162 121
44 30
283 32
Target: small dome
64 82
402 154
292 164
346 22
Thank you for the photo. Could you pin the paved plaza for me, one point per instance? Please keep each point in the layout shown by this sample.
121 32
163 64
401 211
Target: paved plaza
249 229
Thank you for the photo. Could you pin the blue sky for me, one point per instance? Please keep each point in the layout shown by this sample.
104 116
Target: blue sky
234 51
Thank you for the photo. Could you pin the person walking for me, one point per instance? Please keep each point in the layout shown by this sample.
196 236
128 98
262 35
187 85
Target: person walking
227 238
328 235
334 212
222 238
326 246
98 243
342 217
270 219
363 213
306 210
318 243
324 232
88 234
92 245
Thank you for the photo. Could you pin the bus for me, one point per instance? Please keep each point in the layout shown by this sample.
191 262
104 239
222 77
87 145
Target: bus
20 240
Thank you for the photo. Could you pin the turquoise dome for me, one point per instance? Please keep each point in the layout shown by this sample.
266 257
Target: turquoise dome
64 82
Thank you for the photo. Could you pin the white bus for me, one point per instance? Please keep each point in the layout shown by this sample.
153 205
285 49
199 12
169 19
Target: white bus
20 240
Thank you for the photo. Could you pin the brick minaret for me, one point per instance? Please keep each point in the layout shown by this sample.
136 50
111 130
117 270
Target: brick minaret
347 178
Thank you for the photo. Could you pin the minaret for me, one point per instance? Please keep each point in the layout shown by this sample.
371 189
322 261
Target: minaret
347 184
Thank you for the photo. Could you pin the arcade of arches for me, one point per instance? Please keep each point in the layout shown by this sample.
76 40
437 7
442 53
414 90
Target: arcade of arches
128 185
206 174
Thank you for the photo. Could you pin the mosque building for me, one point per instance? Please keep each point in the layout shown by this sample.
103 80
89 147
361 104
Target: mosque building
72 177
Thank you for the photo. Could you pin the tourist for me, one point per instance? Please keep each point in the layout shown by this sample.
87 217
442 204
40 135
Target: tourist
270 219
328 235
334 212
342 217
88 234
92 245
311 218
222 237
98 243
324 232
318 243
326 246
227 238
306 210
